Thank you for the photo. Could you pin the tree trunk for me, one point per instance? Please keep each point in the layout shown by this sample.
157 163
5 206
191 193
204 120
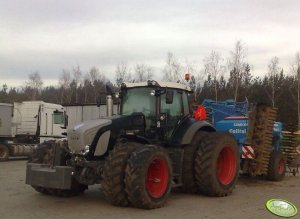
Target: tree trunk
298 97
85 95
33 94
216 92
76 96
236 86
273 92
62 96
95 94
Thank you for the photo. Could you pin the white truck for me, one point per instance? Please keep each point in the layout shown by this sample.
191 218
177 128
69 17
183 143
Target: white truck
26 124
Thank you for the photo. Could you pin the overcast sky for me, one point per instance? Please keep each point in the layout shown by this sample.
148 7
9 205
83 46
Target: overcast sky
48 36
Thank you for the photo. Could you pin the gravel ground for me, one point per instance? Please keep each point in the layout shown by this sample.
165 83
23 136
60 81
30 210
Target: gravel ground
247 201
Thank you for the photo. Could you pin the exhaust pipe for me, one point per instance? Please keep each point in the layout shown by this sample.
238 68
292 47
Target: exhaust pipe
109 105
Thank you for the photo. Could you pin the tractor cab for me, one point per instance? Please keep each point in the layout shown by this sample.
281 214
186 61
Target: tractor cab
163 105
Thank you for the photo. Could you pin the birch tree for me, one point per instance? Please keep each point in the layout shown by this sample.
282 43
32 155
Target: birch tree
173 70
214 68
273 73
96 77
296 72
35 83
236 65
142 73
64 82
122 74
77 76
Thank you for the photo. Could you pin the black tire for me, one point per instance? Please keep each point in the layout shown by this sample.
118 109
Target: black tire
44 154
4 152
41 190
113 185
143 190
217 164
277 166
188 170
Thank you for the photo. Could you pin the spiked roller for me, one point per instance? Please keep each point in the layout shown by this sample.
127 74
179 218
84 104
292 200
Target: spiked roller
260 129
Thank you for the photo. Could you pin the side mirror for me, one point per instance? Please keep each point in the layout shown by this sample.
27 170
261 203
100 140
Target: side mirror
66 122
169 96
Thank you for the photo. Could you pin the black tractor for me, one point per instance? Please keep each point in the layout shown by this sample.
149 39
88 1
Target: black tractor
156 143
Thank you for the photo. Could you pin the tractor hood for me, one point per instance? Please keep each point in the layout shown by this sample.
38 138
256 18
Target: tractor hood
95 135
83 134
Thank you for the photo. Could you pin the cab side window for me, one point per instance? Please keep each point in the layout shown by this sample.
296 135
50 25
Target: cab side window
174 112
175 109
58 117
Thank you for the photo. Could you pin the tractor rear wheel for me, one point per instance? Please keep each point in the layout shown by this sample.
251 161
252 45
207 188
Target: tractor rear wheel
4 152
188 170
276 168
44 154
217 164
148 177
113 185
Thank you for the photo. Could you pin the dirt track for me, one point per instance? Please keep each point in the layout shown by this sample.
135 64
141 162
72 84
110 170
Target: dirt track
248 201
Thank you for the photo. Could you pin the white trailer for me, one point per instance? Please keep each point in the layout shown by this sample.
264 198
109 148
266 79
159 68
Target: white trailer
24 125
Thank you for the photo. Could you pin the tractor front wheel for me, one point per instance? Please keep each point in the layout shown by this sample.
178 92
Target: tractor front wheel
148 177
217 164
113 185
276 168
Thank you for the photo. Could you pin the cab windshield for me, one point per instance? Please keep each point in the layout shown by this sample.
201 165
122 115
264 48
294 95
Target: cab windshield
138 100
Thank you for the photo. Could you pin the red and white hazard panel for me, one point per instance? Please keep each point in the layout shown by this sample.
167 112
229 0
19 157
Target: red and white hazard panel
248 152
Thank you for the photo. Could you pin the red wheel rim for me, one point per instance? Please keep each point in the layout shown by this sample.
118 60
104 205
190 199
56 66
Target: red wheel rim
280 167
226 165
157 178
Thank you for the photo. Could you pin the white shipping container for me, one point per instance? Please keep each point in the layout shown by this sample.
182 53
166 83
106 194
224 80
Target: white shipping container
81 113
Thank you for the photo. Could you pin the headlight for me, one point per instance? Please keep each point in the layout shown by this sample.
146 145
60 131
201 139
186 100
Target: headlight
85 150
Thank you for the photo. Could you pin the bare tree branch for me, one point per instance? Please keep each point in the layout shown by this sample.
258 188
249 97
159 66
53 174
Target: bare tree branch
236 65
273 73
296 72
64 82
77 75
142 73
215 69
122 74
35 83
173 69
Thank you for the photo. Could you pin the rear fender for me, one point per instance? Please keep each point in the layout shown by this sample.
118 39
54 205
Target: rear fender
186 130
